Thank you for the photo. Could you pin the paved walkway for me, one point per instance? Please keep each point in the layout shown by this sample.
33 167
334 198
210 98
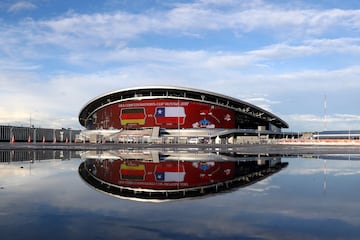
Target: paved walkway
243 148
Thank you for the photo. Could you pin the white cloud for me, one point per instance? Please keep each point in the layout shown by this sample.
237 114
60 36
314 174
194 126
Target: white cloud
335 45
104 30
333 167
107 29
49 100
311 122
50 64
21 6
262 102
253 59
262 15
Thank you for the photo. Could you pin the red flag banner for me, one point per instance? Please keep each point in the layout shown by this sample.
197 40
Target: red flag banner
132 116
132 172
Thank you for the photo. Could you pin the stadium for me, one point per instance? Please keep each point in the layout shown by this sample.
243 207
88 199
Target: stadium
158 176
175 114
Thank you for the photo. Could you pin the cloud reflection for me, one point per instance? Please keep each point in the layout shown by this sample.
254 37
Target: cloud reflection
294 206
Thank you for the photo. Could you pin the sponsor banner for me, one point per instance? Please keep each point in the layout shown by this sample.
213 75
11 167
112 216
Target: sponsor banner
170 115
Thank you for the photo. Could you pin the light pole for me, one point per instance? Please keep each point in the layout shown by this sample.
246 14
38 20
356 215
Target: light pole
178 118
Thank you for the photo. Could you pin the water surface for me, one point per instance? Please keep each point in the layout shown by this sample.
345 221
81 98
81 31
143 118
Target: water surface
312 197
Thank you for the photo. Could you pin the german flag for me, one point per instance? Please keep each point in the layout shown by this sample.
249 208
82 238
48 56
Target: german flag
132 172
132 116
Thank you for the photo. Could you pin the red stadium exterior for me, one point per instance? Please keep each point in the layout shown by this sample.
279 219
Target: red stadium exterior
161 175
174 108
163 113
165 174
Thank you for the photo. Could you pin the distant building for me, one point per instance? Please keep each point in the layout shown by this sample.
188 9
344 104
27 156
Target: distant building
339 134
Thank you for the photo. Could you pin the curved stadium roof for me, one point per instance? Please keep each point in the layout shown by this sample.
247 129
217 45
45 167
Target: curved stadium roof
174 92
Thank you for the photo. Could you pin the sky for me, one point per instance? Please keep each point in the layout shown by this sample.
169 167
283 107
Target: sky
297 59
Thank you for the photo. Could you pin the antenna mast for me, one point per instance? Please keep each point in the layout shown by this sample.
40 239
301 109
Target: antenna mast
325 112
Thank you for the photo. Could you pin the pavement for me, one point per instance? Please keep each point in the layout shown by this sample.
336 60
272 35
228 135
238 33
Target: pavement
239 148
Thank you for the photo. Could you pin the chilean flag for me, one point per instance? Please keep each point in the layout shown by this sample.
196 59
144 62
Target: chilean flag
170 115
170 172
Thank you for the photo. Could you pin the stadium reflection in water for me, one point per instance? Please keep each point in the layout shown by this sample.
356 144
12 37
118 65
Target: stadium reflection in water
179 195
162 176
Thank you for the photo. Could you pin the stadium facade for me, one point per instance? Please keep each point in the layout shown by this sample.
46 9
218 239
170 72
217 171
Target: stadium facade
174 110
158 176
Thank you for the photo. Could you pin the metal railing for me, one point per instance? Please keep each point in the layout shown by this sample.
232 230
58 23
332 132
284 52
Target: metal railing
30 134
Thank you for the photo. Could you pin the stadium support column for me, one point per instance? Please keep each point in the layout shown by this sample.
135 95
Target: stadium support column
70 133
61 136
11 134
34 135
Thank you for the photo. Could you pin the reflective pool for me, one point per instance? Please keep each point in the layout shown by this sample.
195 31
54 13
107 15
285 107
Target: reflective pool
178 195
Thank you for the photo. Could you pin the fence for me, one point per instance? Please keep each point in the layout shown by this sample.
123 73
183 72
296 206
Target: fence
27 134
8 156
